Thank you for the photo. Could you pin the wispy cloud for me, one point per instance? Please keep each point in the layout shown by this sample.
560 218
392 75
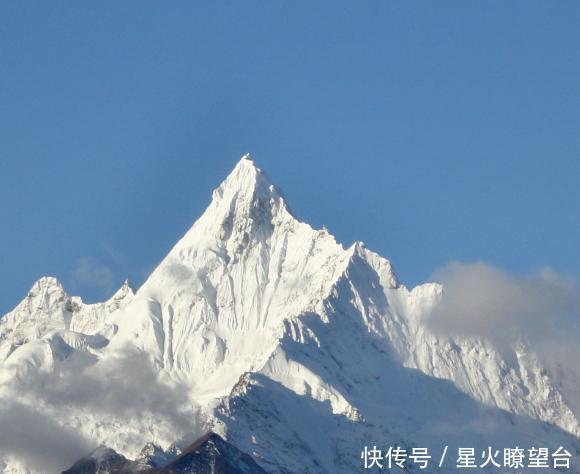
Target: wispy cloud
89 272
124 386
38 440
541 309
483 300
114 255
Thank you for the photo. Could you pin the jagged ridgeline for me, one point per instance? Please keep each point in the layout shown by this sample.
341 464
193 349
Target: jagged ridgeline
210 454
290 347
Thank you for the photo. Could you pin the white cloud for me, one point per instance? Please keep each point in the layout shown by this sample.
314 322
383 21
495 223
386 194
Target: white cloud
122 387
479 299
38 440
542 309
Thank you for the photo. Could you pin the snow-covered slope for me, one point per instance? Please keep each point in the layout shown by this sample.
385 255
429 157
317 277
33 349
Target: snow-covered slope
48 324
296 349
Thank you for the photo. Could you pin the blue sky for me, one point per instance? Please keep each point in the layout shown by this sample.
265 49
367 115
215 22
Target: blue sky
433 131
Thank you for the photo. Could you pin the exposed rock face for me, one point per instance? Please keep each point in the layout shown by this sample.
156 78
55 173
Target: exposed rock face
210 454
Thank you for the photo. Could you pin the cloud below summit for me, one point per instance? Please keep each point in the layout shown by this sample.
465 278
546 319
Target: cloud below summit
124 387
37 439
479 299
543 309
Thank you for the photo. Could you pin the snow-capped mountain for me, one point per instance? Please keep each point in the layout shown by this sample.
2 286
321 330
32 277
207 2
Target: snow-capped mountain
48 324
295 349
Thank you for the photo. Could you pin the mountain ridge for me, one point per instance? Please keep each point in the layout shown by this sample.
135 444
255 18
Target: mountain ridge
209 454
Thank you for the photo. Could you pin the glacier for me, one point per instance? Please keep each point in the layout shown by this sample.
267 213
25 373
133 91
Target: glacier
270 333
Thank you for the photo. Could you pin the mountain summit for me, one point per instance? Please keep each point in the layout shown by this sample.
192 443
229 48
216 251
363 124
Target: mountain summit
245 205
270 333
